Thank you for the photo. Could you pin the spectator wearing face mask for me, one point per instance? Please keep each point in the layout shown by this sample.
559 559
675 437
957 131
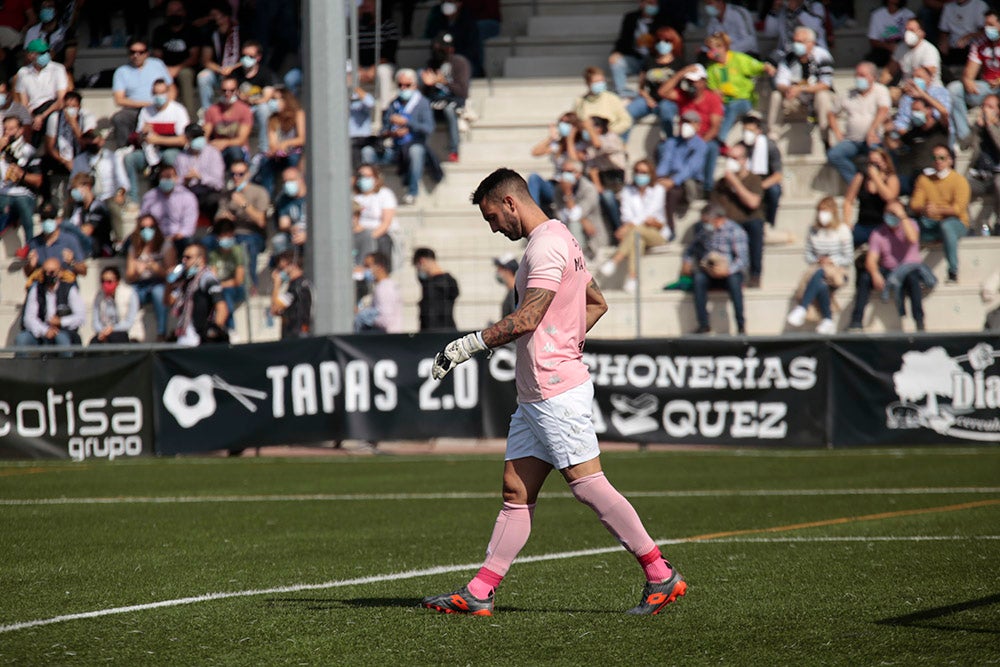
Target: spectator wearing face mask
63 142
291 297
885 30
178 44
438 290
681 167
291 214
110 178
197 301
578 207
913 52
981 76
375 215
151 256
717 258
52 243
228 123
229 263
941 202
132 87
787 16
247 205
740 193
257 84
220 55
689 89
803 84
657 68
115 310
20 178
564 138
41 84
872 189
865 109
382 310
53 309
765 160
161 132
604 161
57 31
452 17
9 106
599 101
174 207
913 149
286 137
984 171
446 85
736 22
201 170
635 43
89 218
921 87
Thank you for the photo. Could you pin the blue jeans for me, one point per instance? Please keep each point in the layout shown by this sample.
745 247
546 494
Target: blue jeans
150 291
733 111
411 157
755 239
948 231
208 85
543 191
20 208
233 296
621 69
841 157
861 234
960 103
772 196
271 167
86 243
610 208
863 292
135 163
63 338
733 283
665 110
817 290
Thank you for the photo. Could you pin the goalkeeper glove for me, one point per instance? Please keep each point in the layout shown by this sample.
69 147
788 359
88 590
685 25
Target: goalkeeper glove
455 352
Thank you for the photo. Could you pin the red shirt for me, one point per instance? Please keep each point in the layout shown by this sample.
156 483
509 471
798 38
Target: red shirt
226 121
709 105
986 54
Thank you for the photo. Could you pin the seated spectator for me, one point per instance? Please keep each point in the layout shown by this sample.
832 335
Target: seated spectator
765 161
201 170
286 138
132 87
913 52
291 296
445 84
59 32
63 142
382 310
981 76
941 202
21 171
89 218
872 189
865 109
41 85
151 256
635 43
452 17
643 222
228 262
556 146
830 255
247 205
9 106
604 160
53 310
438 292
893 250
577 206
656 70
912 149
228 123
291 213
886 26
786 17
921 86
257 84
741 195
990 292
717 258
359 121
110 178
598 101
408 121
961 24
369 71
506 275
174 207
689 89
736 22
681 167
116 309
220 53
375 218
196 301
803 84
178 44
161 132
984 170
52 243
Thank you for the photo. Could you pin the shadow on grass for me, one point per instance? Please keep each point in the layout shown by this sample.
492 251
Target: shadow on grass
324 604
920 619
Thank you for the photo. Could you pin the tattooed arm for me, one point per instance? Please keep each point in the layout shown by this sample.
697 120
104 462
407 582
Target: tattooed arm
523 320
596 305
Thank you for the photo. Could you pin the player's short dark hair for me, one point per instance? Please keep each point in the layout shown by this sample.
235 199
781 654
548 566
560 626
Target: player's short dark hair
501 182
379 259
423 253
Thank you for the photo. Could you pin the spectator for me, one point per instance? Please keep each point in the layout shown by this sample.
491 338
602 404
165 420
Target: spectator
556 145
382 311
161 132
829 254
438 291
116 309
375 217
886 26
291 296
452 17
228 262
56 31
981 76
990 292
913 149
682 167
15 16
21 171
41 84
174 207
286 137
506 267
635 43
741 195
488 17
605 160
110 177
765 161
132 87
984 170
736 22
9 106
178 44
657 70
369 71
247 205
914 51
803 84
921 86
941 200
89 218
228 123
598 101
577 206
53 310
151 256
893 250
63 134
196 300
290 211
359 121
961 24
872 189
202 170
717 259
446 86
786 18
643 222
52 243
220 55
257 84
865 109
408 121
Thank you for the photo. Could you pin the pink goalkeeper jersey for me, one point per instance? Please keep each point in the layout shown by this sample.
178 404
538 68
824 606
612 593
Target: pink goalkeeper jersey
549 360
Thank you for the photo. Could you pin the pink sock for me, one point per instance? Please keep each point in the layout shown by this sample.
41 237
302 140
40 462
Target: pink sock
620 518
654 566
510 534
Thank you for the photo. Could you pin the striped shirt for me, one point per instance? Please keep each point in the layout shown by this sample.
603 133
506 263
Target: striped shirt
837 244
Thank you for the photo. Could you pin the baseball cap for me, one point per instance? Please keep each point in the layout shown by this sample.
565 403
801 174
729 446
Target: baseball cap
697 73
691 116
506 262
37 46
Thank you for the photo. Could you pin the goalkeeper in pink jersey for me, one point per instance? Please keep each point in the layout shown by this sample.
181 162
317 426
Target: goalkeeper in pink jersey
558 302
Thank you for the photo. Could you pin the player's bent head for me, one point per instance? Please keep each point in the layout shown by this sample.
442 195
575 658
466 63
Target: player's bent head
501 183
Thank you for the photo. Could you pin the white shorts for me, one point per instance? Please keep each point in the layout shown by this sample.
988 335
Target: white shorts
558 430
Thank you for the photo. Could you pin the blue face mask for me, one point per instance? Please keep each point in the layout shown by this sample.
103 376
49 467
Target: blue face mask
650 10
642 180
568 177
664 48
227 242
918 118
159 101
192 271
283 276
272 105
198 144
585 135
48 226
366 184
76 194
564 128
147 234
248 62
861 83
166 185
3 99
405 94
43 59
598 87
890 220
291 188
368 275
992 34
711 11
707 228
920 83
799 49
46 14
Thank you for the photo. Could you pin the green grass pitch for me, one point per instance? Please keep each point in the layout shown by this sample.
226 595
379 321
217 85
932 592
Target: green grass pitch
867 557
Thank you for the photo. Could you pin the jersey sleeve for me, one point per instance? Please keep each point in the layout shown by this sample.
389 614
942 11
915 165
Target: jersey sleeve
548 262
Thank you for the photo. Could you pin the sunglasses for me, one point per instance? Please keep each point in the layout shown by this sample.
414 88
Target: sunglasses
137 52
941 158
407 85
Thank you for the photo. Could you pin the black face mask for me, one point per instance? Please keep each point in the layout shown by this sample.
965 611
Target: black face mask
51 278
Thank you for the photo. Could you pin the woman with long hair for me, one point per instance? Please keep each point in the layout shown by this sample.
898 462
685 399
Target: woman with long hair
286 138
151 256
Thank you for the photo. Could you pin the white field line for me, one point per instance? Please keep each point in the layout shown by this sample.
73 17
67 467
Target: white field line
446 569
491 495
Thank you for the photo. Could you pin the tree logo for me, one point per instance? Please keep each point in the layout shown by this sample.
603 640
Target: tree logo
953 396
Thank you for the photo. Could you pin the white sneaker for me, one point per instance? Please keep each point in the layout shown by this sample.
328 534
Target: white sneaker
629 286
797 317
608 268
826 327
409 200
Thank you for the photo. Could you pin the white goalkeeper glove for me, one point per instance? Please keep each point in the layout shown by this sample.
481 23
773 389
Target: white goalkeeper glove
455 352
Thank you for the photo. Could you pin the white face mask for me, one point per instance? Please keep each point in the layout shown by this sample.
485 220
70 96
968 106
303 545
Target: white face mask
688 130
911 38
824 218
733 165
943 172
749 137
